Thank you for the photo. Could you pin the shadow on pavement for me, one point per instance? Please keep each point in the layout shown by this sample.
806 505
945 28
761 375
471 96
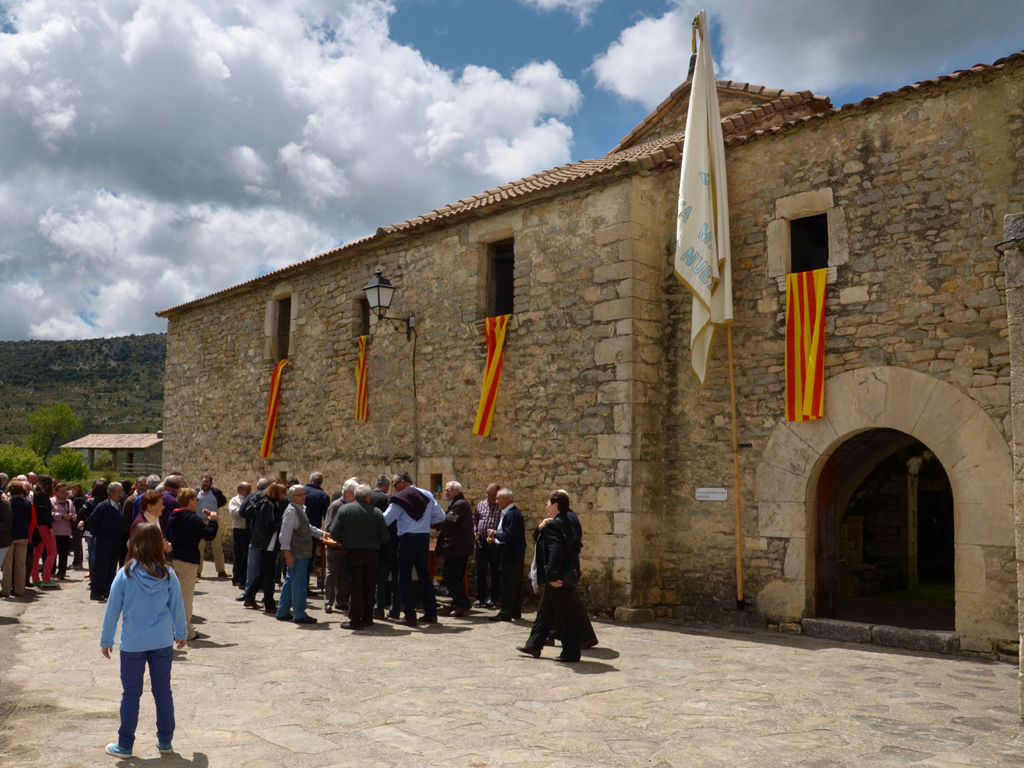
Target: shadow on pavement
198 760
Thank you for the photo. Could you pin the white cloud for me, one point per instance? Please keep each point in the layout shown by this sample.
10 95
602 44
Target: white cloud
128 257
581 9
155 152
808 44
314 175
648 60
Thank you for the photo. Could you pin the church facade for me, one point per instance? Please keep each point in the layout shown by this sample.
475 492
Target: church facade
899 502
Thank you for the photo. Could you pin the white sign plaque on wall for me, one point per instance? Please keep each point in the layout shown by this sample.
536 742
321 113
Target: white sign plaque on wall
712 494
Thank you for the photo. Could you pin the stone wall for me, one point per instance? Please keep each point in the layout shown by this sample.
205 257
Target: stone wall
584 281
596 394
917 186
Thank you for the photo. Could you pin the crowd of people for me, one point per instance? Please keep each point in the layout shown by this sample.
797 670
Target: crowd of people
367 548
372 545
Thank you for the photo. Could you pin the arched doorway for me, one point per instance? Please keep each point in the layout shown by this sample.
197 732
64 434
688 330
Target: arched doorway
968 444
885 538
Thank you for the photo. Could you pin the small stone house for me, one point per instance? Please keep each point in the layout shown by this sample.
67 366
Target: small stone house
132 454
897 506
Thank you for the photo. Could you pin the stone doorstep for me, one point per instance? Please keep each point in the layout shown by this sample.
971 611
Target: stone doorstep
881 634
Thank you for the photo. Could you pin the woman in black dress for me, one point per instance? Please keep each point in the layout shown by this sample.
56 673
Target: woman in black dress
558 570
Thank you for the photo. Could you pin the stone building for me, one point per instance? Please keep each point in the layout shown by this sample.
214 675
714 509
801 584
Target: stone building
896 507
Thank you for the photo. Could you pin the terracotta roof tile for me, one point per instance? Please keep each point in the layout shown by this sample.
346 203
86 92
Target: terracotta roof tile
737 129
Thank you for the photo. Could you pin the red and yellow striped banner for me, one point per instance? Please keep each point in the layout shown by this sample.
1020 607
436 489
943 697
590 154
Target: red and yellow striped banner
275 394
362 392
495 330
805 345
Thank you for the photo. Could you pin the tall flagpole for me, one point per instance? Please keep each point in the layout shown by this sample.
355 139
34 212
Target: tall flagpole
702 260
740 602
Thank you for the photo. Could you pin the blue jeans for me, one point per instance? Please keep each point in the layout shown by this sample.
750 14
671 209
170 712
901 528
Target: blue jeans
252 569
133 664
293 591
413 552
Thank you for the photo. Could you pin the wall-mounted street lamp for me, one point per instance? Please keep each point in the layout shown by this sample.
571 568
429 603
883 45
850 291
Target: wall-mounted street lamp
379 294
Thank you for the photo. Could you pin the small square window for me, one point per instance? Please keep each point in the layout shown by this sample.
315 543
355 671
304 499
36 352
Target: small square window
808 238
501 278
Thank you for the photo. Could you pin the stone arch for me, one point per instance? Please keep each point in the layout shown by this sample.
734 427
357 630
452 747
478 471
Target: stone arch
972 450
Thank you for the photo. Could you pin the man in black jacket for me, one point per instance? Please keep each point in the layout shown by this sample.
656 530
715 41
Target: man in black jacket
455 545
511 538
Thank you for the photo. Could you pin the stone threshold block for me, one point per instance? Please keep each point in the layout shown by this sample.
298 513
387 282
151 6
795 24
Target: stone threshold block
881 634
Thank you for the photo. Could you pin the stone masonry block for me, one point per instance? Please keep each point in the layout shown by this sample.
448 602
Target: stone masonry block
777 485
617 446
853 295
626 615
834 629
610 234
615 392
613 499
617 349
969 567
984 524
617 309
619 270
915 639
781 519
795 566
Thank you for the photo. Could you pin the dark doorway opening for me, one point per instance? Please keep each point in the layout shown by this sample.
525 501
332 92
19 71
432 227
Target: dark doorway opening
885 534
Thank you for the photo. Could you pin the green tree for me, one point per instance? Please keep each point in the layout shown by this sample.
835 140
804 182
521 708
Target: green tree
18 460
68 465
49 424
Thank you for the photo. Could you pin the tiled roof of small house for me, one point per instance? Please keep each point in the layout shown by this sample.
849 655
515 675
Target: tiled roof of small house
664 150
116 442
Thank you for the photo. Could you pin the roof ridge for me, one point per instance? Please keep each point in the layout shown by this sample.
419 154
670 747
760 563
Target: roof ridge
720 84
885 96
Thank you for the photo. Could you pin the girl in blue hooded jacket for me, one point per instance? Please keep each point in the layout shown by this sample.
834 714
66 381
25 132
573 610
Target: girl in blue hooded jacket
147 593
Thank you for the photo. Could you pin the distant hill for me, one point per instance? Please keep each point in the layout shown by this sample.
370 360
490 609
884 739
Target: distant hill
112 385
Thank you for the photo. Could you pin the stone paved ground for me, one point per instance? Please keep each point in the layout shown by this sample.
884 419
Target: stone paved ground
260 693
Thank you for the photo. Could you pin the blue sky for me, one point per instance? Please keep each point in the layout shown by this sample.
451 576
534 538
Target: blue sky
505 35
166 149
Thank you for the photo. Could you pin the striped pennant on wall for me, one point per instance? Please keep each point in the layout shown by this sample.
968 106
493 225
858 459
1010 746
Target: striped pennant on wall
495 330
805 345
362 392
275 394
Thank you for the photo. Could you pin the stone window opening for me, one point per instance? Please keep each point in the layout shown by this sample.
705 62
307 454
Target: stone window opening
501 278
284 326
361 308
808 243
279 324
807 232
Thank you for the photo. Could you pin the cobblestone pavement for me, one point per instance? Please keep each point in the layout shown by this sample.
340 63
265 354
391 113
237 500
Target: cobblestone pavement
258 693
